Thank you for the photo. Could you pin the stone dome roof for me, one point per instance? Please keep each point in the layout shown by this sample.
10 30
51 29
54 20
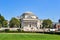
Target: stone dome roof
28 13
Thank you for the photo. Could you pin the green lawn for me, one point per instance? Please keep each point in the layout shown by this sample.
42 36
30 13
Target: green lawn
28 36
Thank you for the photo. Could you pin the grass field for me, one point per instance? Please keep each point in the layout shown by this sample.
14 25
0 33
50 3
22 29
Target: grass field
28 36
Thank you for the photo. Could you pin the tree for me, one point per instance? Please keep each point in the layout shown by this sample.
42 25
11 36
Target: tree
47 23
0 25
59 21
2 19
5 23
14 22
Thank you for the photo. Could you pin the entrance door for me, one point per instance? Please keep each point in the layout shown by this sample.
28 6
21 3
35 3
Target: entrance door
30 25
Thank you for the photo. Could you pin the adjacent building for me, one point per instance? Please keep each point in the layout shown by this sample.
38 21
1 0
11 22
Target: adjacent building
57 26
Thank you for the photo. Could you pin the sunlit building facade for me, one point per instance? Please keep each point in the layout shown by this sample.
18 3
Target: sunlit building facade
30 22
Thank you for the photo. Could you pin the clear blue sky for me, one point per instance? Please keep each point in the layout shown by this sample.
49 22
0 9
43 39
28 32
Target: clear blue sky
44 9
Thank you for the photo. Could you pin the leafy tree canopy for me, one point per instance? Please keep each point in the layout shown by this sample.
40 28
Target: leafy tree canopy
5 23
14 22
2 19
47 23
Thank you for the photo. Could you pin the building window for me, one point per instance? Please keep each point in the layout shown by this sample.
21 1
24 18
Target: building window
29 17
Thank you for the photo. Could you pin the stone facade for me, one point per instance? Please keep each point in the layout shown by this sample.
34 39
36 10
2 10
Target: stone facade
30 22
